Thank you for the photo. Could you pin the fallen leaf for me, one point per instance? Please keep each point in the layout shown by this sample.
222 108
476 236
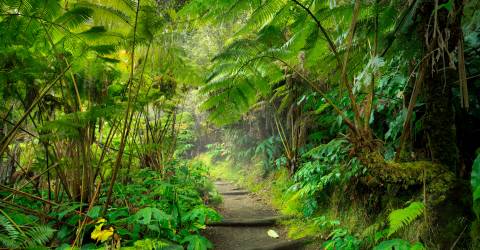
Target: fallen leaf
273 234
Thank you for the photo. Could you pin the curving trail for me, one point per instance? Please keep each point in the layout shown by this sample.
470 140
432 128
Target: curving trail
247 220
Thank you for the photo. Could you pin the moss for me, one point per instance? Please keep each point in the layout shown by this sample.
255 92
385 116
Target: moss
300 228
436 178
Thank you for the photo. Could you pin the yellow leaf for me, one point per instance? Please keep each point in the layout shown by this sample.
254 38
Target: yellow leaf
101 235
101 220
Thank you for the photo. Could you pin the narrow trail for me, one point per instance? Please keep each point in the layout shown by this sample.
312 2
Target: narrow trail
246 222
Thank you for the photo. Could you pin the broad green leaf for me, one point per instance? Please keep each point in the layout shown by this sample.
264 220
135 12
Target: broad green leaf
475 177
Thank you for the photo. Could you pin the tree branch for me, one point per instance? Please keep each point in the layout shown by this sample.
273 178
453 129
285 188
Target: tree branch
332 46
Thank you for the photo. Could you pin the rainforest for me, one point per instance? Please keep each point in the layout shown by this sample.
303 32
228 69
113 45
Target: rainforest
240 124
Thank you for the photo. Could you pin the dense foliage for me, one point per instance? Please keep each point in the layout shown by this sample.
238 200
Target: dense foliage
360 117
95 130
370 106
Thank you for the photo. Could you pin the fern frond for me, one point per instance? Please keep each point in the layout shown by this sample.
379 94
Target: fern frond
401 218
9 235
74 17
9 227
263 15
299 40
38 236
8 242
108 15
99 33
216 11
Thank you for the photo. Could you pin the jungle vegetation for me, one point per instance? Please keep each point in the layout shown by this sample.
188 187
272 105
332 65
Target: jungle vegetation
359 119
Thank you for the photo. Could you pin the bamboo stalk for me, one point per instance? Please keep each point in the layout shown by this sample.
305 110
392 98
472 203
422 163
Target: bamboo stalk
118 160
82 224
27 195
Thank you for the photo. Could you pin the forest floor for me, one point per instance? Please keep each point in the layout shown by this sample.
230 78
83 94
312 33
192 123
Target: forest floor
239 204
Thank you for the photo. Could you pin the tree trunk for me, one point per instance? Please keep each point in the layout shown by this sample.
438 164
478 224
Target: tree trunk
440 31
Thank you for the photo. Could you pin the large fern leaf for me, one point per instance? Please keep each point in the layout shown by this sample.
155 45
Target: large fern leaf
74 17
263 15
401 218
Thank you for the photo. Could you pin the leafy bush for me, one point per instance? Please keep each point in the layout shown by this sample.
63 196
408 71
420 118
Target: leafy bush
268 151
341 239
323 167
154 209
171 208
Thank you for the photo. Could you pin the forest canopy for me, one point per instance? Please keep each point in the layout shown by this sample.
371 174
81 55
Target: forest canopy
357 120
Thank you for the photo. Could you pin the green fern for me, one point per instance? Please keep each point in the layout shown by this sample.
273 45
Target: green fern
38 236
12 237
74 17
105 14
9 235
263 15
401 218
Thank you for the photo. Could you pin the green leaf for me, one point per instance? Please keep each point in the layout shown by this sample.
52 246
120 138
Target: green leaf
476 194
75 17
448 6
94 213
144 216
475 181
475 177
197 242
398 244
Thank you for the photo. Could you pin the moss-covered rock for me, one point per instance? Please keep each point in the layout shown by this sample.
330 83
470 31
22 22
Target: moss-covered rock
434 179
393 184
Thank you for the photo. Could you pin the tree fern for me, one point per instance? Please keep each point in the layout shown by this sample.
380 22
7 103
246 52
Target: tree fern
401 218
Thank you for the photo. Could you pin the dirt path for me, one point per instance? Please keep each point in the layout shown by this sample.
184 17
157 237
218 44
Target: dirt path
239 204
